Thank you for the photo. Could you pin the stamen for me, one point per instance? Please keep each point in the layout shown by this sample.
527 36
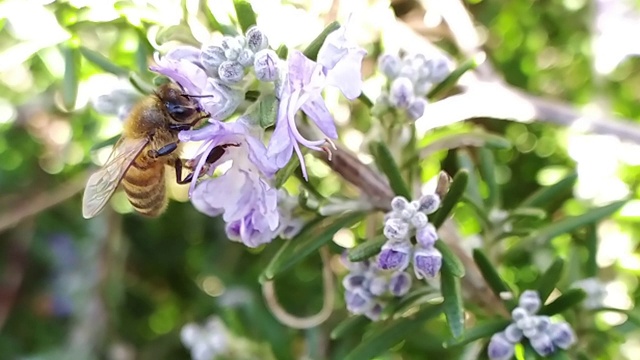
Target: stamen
328 151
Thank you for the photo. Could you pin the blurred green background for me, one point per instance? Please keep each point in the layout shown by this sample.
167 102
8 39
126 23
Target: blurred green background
121 287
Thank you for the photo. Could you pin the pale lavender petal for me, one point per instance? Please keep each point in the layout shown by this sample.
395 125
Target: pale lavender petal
334 48
201 196
346 74
318 112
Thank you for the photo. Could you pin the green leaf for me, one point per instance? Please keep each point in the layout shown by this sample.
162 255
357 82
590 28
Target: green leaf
527 212
400 305
565 301
545 195
592 250
572 223
449 259
312 50
102 62
282 51
268 110
559 355
452 79
457 140
283 174
214 24
465 162
453 310
365 100
549 279
367 249
70 80
104 143
310 239
245 14
491 276
392 334
352 324
389 167
488 172
140 84
480 331
456 190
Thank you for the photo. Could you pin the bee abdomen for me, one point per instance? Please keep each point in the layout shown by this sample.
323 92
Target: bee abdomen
145 188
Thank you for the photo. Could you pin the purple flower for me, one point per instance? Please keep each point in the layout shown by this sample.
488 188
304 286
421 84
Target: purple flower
426 262
542 344
358 301
248 204
375 311
353 281
530 301
394 256
338 65
500 348
427 236
562 335
396 229
400 284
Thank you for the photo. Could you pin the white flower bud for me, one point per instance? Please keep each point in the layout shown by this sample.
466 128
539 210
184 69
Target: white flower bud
256 40
232 47
265 65
416 108
401 92
245 58
211 58
389 65
399 203
429 203
231 71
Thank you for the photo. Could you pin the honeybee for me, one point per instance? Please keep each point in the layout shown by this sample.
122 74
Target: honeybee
149 141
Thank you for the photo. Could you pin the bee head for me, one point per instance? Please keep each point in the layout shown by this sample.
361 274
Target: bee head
181 108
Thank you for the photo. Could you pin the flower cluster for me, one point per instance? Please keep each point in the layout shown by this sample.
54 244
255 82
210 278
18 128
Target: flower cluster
405 220
205 342
596 292
367 288
543 335
410 79
218 76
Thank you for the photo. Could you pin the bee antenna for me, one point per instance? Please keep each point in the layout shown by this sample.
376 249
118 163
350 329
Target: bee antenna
197 96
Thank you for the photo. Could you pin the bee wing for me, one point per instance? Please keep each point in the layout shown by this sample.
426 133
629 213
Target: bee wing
104 182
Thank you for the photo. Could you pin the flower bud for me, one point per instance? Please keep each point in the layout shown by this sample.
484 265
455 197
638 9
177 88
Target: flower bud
394 256
400 284
389 65
542 323
438 70
530 301
358 301
513 333
419 220
562 335
265 65
427 235
518 314
399 203
426 262
429 203
232 47
378 285
500 348
256 40
245 58
416 108
231 71
223 100
211 58
396 229
353 281
374 313
542 344
409 72
401 92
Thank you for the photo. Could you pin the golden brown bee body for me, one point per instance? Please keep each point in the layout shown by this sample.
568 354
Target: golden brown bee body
149 141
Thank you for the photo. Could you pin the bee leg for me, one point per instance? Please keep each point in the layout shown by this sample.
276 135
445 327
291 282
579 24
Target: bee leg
165 150
178 166
181 127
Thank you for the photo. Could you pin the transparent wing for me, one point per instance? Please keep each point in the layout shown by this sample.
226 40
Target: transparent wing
102 184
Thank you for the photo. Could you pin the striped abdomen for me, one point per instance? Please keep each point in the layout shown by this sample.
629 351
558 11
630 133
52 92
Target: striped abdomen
144 185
